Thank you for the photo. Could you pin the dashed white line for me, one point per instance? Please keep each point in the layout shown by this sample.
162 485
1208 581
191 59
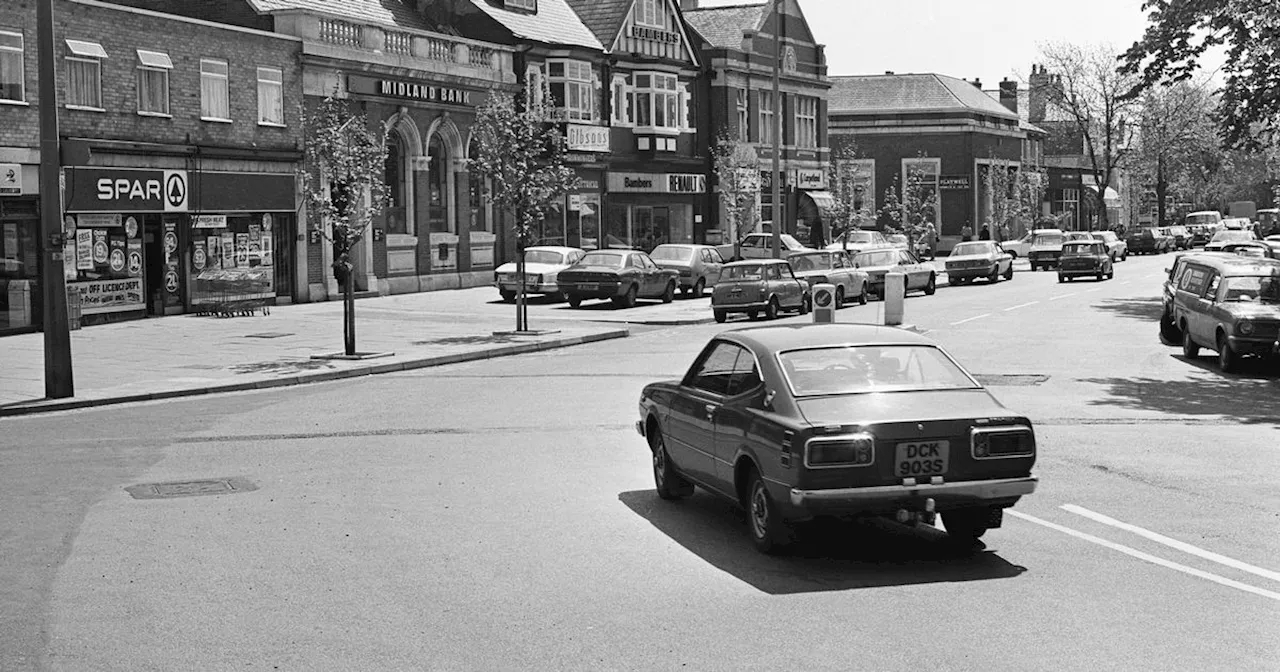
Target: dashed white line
1062 296
1095 289
1221 580
976 317
1024 305
1172 543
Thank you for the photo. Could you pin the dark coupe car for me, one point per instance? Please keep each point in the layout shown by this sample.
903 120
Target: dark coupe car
619 275
1149 240
845 420
1082 258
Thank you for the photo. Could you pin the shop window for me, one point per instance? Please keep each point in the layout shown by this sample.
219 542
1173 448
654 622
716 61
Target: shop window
806 122
438 220
658 101
572 89
12 67
84 75
232 258
215 103
649 13
270 97
395 212
766 117
744 119
153 83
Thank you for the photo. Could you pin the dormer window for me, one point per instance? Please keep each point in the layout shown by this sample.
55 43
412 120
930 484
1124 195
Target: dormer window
522 5
649 13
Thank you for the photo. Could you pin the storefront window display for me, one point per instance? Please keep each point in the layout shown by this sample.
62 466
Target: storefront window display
20 298
644 227
107 259
232 258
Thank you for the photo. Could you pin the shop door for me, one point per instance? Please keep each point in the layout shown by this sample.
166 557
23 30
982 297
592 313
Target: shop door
282 255
153 263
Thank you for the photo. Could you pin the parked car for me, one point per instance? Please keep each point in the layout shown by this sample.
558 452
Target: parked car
698 265
1019 247
621 276
1225 236
760 246
1046 247
1117 248
898 240
541 266
758 286
1230 304
878 262
1207 218
1237 224
1268 221
857 240
834 267
1148 240
1081 258
1200 234
791 424
1076 235
1181 237
978 259
1253 248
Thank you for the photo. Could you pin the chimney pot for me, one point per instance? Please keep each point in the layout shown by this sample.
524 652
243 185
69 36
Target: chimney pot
888 72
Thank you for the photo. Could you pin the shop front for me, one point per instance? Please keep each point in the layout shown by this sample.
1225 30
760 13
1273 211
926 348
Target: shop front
20 297
645 210
157 242
813 207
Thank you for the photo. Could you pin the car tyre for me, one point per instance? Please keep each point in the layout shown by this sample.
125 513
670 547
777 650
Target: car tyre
1228 359
508 295
966 526
771 310
669 295
1008 275
932 287
1169 332
768 531
699 288
575 301
629 299
669 484
839 297
1062 278
753 314
994 277
720 315
1189 348
1101 276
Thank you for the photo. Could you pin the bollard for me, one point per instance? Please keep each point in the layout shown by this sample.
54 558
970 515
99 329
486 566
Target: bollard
824 303
895 291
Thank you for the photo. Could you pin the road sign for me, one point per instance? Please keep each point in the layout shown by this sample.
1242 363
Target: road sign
824 303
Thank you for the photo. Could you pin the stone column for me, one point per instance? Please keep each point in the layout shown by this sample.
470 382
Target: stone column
462 212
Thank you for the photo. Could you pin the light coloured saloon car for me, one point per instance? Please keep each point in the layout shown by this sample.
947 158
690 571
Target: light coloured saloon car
978 259
699 266
833 267
542 264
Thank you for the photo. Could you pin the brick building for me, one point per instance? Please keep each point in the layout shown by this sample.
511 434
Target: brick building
181 141
737 45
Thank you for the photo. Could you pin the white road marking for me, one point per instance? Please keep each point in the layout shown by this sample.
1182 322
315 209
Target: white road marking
1095 289
1222 580
1020 306
1173 543
1062 296
976 317
1125 282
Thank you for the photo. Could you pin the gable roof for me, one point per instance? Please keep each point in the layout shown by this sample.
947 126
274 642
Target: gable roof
384 12
722 26
602 17
862 94
1024 109
554 23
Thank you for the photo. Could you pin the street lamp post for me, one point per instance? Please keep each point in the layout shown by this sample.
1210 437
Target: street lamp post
58 382
776 178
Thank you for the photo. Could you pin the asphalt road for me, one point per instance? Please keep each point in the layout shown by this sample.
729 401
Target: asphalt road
499 515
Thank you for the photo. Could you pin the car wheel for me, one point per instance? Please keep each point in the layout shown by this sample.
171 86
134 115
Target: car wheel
862 297
966 526
771 310
721 315
994 277
1034 268
753 314
699 288
1169 332
1124 256
629 299
768 532
669 484
1008 275
932 287
1228 360
508 295
1189 348
1062 278
575 301
669 295
1101 276
839 297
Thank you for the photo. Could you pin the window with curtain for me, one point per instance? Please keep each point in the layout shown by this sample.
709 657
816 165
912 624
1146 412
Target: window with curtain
153 82
743 117
438 220
657 101
621 101
271 96
806 122
84 82
12 67
766 116
533 86
648 13
571 89
215 103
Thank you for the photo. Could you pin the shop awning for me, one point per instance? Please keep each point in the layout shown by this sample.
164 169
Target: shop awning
1110 197
86 49
824 201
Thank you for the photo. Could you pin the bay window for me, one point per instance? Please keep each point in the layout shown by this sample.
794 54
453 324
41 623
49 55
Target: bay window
572 89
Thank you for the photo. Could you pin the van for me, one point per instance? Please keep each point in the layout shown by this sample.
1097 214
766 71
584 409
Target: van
1230 305
1046 248
1203 218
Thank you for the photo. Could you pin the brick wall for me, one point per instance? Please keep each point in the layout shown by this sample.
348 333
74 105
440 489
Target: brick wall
121 32
20 125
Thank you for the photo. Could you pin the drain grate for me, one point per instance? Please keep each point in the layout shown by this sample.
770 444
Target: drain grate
1011 379
269 334
172 489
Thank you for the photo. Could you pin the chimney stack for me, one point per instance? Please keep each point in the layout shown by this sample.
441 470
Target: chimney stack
1009 94
1038 93
686 5
977 82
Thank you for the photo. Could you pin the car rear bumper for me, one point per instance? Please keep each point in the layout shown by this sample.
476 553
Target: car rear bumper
980 272
884 497
542 288
603 290
1071 272
740 307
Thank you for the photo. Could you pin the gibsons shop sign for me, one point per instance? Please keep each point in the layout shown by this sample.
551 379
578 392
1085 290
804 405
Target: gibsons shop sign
425 92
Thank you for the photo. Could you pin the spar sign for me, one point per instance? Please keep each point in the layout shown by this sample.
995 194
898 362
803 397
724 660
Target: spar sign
126 190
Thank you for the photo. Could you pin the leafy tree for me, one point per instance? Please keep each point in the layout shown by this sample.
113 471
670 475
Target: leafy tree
1016 193
852 208
1092 93
1178 34
737 171
344 187
521 152
1175 126
911 212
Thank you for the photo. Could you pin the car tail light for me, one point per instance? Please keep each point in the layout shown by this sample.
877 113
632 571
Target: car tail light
853 450
995 443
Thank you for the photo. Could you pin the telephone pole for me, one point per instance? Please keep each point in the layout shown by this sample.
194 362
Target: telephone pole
58 382
776 178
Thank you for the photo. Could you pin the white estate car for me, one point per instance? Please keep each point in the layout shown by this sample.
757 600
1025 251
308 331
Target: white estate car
542 263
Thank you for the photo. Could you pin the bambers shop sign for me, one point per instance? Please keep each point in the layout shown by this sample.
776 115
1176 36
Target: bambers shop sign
658 183
426 92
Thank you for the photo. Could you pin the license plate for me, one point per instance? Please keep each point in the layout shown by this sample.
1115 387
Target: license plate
921 458
588 286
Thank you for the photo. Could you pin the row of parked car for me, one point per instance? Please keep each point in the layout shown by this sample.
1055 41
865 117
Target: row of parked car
1223 301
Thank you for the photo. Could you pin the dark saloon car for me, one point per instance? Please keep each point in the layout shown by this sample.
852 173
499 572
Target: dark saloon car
1148 240
1085 258
621 276
759 286
842 420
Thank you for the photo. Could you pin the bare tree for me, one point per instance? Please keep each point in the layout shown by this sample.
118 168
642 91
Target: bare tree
1090 90
1016 192
737 171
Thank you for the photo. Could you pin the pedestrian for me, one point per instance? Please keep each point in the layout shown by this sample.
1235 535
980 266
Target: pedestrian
985 234
931 240
1004 232
966 233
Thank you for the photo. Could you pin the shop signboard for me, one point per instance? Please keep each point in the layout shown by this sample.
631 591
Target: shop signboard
811 179
109 296
658 183
426 92
584 138
116 190
10 178
209 222
954 182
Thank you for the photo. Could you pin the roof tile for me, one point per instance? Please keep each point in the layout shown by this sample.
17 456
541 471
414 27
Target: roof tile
723 26
554 23
910 92
603 18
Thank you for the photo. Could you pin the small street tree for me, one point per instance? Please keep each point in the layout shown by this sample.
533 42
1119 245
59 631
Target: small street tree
520 150
853 207
1016 192
737 171
912 211
344 187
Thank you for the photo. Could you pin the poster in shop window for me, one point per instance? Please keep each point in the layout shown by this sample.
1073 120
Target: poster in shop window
228 250
69 260
135 257
100 246
255 232
213 245
84 249
131 227
198 257
242 250
117 256
266 251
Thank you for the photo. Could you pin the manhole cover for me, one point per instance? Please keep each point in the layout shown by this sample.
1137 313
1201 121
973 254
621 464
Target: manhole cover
268 334
212 486
1011 379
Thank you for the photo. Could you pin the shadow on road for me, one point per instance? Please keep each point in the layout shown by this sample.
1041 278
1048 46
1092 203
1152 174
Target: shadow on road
830 555
1146 310
1251 396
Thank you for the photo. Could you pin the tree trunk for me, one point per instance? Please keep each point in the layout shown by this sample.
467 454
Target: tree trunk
349 311
1162 188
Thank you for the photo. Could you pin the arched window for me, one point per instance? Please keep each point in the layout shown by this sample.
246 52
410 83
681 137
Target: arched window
395 217
479 217
438 220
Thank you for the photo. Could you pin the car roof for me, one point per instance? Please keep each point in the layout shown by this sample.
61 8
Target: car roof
1232 264
1046 231
753 262
797 336
687 245
553 248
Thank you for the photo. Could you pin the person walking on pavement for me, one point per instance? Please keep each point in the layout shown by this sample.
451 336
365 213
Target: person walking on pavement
931 240
966 234
986 233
